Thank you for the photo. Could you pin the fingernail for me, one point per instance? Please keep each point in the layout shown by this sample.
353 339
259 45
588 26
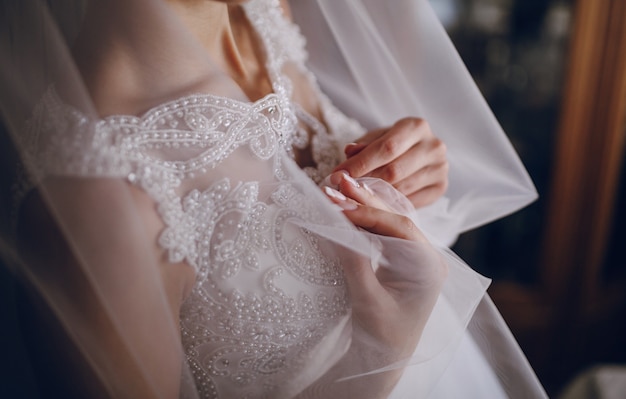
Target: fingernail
336 177
349 148
331 192
349 179
343 203
347 206
368 189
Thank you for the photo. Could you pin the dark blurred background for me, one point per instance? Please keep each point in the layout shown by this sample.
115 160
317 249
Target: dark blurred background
553 73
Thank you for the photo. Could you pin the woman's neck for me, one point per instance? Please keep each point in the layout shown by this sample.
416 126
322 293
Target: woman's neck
228 37
132 58
210 22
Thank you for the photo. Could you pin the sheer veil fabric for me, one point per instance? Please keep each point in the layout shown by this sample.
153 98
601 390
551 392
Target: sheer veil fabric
128 170
380 63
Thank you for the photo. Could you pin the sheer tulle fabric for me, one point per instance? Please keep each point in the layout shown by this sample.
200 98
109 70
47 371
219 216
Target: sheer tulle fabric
194 175
380 63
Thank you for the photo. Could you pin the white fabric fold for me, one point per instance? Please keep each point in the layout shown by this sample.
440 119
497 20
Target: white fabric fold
380 62
178 171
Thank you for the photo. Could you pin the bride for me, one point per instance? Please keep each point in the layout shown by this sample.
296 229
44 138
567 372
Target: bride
170 218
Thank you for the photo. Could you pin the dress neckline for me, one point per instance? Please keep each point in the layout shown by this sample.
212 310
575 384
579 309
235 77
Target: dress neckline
192 99
280 83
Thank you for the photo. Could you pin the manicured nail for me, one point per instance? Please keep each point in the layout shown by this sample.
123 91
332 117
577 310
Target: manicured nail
349 148
331 192
335 177
342 200
347 206
349 179
368 189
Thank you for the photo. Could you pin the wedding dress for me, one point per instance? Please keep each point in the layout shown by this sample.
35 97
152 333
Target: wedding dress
269 314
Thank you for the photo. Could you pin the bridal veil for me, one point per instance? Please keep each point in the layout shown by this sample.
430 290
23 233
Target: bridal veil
97 277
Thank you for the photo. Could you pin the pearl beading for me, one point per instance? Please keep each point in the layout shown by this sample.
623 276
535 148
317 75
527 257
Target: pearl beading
266 293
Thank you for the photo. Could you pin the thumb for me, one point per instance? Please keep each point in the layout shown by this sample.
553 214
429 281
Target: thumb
361 281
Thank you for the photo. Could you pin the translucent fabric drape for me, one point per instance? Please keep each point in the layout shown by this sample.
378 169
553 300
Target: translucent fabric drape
115 182
381 62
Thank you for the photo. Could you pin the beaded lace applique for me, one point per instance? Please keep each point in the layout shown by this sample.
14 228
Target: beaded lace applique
266 293
284 43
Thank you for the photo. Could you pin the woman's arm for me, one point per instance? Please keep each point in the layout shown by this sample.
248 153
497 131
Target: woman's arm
107 308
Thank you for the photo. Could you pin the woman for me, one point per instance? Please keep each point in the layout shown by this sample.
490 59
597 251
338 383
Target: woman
170 207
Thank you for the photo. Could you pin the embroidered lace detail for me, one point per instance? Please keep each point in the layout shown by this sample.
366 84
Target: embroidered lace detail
60 140
266 294
242 339
284 43
282 39
267 290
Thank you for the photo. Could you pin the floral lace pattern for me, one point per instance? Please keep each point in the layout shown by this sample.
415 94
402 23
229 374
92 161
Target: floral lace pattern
266 294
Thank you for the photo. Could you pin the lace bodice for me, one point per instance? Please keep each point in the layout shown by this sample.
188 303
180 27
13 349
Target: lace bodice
219 169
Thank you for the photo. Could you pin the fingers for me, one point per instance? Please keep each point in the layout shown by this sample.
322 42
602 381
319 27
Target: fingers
362 281
360 193
407 155
426 185
353 149
340 199
390 304
390 144
385 223
436 173
427 195
427 152
376 220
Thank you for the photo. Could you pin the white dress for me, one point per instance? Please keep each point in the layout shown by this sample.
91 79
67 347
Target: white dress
265 295
269 312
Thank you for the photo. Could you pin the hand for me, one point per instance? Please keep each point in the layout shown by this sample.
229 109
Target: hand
389 308
406 155
393 303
